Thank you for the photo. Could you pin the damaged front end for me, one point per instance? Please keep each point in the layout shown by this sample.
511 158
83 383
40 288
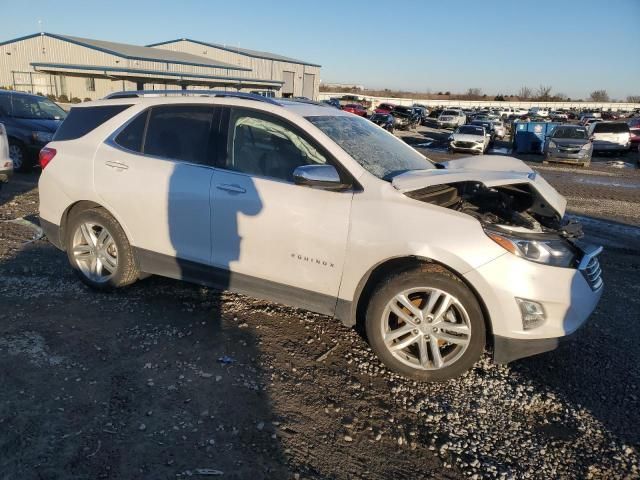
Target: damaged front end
517 209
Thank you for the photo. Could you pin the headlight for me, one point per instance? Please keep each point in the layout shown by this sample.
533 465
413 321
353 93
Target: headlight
586 146
41 137
555 252
552 144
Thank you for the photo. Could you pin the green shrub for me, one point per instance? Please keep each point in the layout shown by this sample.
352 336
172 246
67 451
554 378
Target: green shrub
86 99
63 98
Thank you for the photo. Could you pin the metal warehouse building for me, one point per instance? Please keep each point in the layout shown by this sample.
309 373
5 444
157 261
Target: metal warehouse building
54 64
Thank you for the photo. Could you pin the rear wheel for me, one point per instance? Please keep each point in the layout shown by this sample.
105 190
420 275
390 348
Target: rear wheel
426 324
18 155
98 250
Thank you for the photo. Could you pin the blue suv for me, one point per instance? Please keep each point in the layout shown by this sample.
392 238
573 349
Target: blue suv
30 121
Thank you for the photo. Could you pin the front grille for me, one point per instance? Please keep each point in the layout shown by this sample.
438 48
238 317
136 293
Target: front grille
465 144
592 272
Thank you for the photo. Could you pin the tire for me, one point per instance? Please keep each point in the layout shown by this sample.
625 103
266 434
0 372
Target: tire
456 357
115 266
18 155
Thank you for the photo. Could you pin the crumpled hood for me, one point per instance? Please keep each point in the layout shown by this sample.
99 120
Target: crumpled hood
490 170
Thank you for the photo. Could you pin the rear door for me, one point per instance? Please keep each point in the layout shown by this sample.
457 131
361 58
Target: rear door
278 239
155 175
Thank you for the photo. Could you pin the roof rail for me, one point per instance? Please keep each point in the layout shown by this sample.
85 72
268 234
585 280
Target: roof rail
185 93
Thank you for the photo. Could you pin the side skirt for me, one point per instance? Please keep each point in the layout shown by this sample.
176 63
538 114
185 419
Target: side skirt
194 272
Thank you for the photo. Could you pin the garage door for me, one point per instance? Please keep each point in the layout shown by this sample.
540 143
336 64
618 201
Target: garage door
307 86
287 77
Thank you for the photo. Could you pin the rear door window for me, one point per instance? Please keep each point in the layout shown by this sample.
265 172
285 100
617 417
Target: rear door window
82 120
180 132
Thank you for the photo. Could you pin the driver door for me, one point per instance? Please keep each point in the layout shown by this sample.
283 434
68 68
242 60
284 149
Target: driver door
276 238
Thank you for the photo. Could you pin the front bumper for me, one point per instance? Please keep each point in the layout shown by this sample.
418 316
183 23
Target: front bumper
447 124
581 156
567 297
476 148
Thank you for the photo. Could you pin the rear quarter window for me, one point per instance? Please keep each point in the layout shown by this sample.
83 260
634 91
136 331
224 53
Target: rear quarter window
82 120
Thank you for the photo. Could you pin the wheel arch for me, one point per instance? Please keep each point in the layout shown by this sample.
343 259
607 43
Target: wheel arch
354 314
80 206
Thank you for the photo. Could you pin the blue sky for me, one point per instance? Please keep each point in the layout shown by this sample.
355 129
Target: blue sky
576 46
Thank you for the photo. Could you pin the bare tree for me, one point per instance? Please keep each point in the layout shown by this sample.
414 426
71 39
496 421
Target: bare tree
633 98
525 93
543 93
599 96
474 93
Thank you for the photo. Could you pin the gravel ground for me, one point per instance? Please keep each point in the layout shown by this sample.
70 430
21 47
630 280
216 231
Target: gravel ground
170 380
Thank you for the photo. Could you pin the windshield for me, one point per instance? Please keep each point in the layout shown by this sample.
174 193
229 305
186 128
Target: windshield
380 116
470 130
379 152
567 132
449 112
35 108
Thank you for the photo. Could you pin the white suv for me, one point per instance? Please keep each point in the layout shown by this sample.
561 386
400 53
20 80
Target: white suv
317 208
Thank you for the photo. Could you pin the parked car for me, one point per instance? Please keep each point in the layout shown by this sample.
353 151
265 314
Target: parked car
587 121
385 120
558 116
406 117
590 114
356 109
488 127
469 138
610 137
422 113
610 115
308 205
384 108
499 129
539 112
569 143
451 119
634 139
6 164
334 102
30 122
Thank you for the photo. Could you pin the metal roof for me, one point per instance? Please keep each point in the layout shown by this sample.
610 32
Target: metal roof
240 51
136 52
136 74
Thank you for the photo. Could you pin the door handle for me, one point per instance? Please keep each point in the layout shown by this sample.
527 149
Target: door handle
116 165
233 188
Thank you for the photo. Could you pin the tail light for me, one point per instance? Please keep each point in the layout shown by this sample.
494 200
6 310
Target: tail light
45 156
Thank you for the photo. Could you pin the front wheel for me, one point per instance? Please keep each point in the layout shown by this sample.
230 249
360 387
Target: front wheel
99 251
426 324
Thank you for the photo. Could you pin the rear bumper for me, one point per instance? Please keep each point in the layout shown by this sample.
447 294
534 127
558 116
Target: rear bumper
52 232
610 147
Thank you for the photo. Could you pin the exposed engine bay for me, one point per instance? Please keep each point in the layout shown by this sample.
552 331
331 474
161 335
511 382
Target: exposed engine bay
515 207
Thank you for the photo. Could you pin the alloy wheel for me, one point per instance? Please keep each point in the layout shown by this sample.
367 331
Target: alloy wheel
17 156
426 328
95 252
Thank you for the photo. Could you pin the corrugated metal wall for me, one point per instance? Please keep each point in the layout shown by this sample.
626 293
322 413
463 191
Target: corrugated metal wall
17 57
261 68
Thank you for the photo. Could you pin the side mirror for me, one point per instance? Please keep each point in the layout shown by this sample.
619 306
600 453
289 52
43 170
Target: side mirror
319 176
